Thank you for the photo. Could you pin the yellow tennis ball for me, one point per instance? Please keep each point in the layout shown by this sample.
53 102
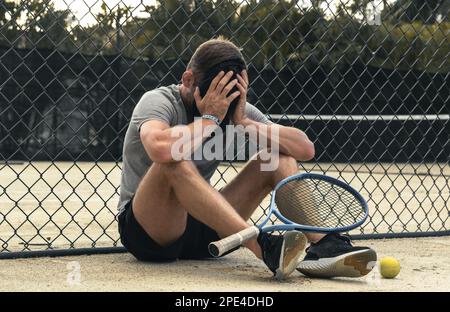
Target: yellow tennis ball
389 267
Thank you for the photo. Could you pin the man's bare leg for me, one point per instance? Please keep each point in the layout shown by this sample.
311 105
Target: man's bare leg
252 185
168 192
248 189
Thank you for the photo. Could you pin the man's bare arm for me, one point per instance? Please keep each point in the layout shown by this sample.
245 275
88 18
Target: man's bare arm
161 141
159 138
291 141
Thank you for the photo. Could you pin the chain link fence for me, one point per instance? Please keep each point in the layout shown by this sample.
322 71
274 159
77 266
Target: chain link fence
366 80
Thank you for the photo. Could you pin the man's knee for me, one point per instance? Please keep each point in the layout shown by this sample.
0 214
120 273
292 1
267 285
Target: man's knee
281 161
175 169
286 162
281 167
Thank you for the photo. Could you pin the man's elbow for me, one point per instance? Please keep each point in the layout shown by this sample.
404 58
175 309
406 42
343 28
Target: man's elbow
161 156
157 150
308 150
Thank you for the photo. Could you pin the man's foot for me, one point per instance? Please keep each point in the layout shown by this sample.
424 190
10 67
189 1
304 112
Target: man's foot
335 256
281 252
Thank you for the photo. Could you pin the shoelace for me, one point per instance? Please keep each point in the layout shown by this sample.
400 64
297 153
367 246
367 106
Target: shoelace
345 238
342 237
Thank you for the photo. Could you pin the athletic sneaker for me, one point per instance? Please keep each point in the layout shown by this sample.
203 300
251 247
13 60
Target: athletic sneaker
335 256
282 252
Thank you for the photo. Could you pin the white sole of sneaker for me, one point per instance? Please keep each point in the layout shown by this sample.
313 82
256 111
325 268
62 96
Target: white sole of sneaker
353 264
294 244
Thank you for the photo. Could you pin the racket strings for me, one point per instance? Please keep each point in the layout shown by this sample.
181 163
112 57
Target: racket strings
318 203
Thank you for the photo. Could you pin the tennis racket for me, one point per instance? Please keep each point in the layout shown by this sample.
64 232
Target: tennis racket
305 202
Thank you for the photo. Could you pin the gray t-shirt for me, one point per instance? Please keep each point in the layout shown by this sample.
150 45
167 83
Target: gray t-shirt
164 104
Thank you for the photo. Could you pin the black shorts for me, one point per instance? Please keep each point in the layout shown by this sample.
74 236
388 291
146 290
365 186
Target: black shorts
193 244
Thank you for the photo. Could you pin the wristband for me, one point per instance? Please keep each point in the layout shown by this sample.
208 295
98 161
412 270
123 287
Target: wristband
213 118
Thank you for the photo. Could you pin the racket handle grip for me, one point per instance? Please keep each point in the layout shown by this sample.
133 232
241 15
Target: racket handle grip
218 248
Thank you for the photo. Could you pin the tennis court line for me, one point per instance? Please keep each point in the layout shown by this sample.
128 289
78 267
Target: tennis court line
431 117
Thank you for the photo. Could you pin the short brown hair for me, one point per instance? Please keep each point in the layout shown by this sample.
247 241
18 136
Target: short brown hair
210 53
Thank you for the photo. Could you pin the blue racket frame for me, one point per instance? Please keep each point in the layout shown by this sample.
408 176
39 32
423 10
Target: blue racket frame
289 225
